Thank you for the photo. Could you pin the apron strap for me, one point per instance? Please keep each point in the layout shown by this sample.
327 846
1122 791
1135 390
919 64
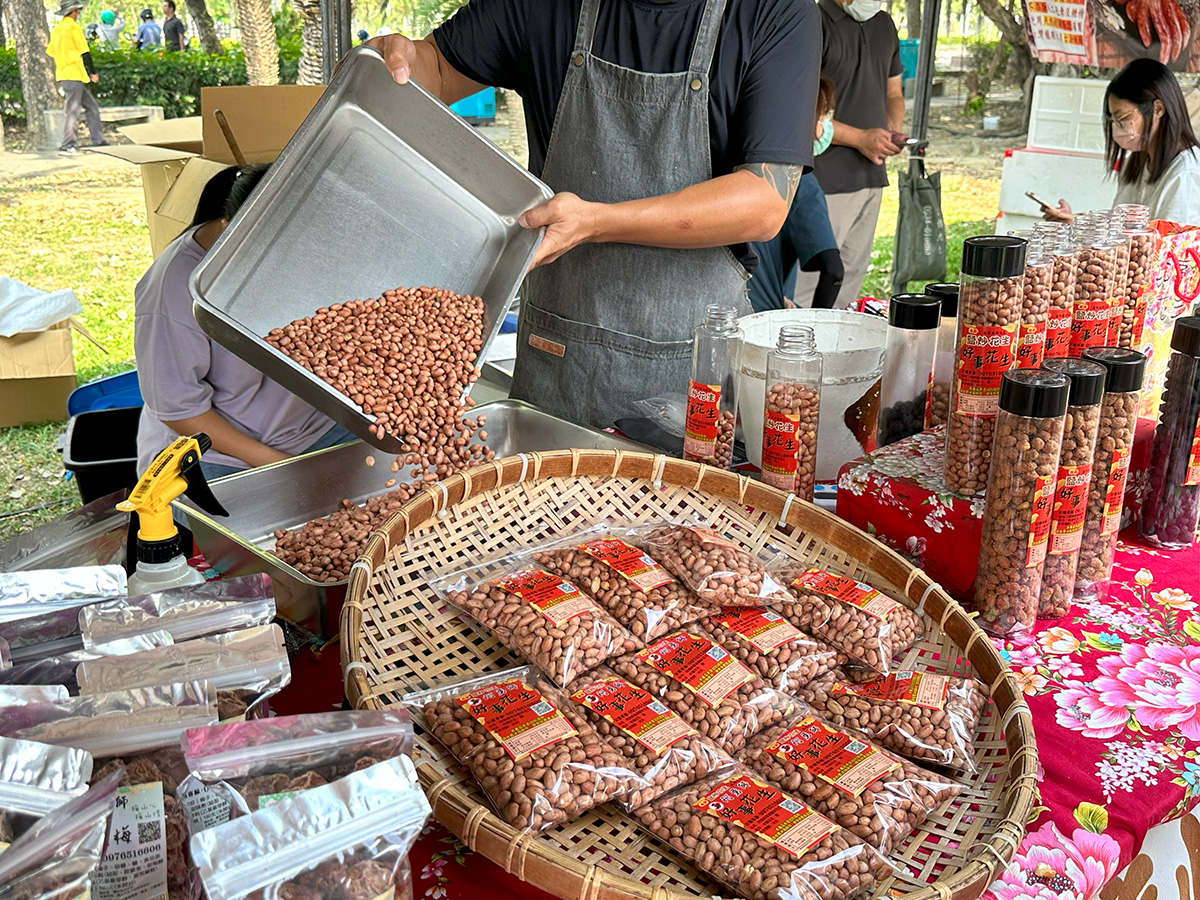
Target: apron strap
706 37
585 31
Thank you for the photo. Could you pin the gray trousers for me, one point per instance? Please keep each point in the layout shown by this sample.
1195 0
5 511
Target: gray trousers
853 217
79 100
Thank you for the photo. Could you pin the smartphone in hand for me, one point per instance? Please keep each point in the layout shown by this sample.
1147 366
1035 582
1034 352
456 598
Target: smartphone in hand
1039 201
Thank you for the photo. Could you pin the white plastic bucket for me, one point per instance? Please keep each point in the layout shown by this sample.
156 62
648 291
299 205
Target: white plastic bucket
852 346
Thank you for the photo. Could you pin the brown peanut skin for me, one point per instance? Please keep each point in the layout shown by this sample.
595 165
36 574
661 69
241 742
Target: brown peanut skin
787 666
1035 306
549 786
1062 298
795 399
1141 258
996 302
562 652
719 575
883 815
943 737
838 868
1096 281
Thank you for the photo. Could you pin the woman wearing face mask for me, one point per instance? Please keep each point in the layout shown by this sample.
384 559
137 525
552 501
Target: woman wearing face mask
1149 141
806 238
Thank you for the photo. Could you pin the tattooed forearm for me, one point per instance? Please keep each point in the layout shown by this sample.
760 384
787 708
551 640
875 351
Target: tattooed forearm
784 178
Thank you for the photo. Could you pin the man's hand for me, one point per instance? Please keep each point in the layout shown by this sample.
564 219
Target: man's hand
876 145
399 54
1061 213
569 222
899 138
95 77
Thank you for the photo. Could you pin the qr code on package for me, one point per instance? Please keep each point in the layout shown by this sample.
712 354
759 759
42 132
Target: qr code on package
149 832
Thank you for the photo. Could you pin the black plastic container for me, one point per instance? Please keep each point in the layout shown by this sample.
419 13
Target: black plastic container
101 449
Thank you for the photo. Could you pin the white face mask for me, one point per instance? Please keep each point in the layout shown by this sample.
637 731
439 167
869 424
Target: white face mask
861 10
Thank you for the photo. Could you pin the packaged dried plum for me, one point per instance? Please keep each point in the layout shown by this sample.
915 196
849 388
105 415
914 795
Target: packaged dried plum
36 779
61 669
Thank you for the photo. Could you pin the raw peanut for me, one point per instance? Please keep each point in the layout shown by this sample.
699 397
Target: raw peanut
939 403
794 399
1035 308
883 814
726 427
1062 296
716 569
1095 288
838 867
1118 421
789 665
944 737
1137 280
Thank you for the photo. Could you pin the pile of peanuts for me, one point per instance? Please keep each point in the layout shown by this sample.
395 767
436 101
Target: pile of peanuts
1008 586
803 401
647 614
1137 279
1119 296
547 787
1035 307
1093 291
1062 297
717 570
886 812
797 661
988 303
938 404
944 737
838 867
564 651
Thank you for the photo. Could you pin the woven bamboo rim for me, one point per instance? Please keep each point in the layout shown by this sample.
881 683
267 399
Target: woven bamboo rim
395 637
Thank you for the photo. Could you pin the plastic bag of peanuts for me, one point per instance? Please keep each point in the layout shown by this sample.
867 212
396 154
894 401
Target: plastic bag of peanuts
656 743
639 592
710 690
543 617
865 624
772 647
761 842
923 716
718 570
878 797
534 755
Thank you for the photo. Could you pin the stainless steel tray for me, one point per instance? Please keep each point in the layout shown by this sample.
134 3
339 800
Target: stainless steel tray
295 491
382 186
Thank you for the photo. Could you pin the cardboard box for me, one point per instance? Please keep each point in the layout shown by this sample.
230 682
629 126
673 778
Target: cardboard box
37 374
178 156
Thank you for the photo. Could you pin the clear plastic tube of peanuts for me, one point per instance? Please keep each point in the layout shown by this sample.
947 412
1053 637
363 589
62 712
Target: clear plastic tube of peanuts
989 313
1020 500
1094 291
937 399
1056 243
1143 243
792 411
1172 508
913 321
1035 303
1074 478
1110 466
711 416
1121 243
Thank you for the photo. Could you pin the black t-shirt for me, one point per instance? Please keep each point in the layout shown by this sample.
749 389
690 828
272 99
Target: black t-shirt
173 31
859 58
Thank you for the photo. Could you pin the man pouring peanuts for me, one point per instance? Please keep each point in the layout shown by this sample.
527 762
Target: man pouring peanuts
674 132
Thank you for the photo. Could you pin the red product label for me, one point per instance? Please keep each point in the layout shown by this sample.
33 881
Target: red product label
918 688
771 814
708 536
631 563
763 629
559 601
780 449
847 590
1031 345
704 668
1089 325
700 424
848 764
1058 334
1139 315
1193 467
985 353
929 401
1041 520
1070 505
516 715
1116 313
1114 495
635 712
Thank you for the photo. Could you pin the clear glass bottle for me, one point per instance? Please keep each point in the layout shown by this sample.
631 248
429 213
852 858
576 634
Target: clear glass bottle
791 412
1143 243
1035 305
711 416
1056 243
1120 242
1092 307
1172 507
990 299
1020 500
938 403
913 321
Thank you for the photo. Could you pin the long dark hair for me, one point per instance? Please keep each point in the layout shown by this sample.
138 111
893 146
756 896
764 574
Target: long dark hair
226 191
1141 83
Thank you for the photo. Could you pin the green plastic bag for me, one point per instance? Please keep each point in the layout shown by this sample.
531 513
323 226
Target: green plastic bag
920 248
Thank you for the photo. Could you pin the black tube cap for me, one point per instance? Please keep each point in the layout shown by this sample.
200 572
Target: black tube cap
1034 393
994 256
1087 379
159 551
1126 368
1186 336
948 294
918 312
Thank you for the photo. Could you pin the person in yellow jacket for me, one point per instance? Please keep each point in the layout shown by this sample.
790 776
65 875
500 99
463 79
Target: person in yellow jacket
73 69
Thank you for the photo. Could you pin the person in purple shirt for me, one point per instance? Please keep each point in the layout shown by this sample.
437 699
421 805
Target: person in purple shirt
189 382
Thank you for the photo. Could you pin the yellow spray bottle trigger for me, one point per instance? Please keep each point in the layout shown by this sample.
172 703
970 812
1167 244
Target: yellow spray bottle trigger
175 471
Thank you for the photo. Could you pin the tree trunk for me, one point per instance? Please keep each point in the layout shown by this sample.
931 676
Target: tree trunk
912 17
3 35
31 35
198 12
311 70
258 41
1014 33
